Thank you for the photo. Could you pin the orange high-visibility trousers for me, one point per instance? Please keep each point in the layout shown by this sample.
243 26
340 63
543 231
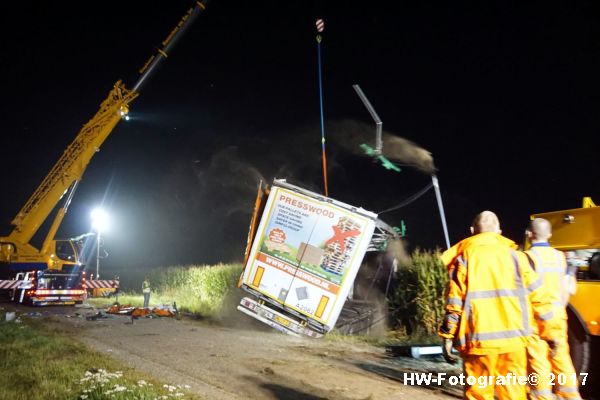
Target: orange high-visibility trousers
538 358
496 365
566 384
555 368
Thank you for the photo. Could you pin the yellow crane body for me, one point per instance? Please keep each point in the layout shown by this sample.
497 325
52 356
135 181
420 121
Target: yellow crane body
54 273
577 232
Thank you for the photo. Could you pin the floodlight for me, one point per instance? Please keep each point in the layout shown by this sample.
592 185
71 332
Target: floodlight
100 220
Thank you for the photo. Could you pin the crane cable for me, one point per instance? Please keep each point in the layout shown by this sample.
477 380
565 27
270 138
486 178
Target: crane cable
408 200
320 25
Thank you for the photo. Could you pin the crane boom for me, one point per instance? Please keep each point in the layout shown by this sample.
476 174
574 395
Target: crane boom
57 262
72 164
155 60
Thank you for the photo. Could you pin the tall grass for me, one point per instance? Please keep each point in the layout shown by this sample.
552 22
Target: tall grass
37 362
202 289
205 290
417 301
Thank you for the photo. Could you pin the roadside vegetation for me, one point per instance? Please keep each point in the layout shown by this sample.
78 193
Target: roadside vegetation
39 362
204 290
415 302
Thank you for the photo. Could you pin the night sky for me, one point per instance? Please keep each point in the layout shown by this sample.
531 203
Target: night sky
505 97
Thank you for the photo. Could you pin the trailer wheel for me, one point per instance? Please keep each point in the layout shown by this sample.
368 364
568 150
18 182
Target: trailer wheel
579 341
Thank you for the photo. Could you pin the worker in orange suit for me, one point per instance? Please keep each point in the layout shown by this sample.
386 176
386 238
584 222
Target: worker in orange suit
553 366
489 311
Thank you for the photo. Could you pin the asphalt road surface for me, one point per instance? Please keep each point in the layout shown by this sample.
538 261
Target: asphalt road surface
241 359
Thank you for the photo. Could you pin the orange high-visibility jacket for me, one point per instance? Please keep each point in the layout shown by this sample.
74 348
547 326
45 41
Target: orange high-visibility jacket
551 267
492 295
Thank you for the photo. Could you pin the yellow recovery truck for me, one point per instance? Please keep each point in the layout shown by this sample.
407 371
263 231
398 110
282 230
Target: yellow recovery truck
54 273
577 232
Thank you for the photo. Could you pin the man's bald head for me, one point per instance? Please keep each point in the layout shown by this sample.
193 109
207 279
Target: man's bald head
485 221
540 229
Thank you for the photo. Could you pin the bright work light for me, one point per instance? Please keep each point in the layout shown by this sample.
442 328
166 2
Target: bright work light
100 220
99 224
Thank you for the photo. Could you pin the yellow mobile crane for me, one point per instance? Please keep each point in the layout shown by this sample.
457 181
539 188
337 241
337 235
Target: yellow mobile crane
577 233
54 273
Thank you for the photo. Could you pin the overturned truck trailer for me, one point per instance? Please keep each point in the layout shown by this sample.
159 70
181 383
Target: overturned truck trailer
304 252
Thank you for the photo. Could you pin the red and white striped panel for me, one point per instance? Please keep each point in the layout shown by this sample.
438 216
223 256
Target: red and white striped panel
102 284
320 24
15 284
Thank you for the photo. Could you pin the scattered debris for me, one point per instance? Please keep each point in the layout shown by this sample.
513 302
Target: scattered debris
165 310
95 317
161 312
116 308
140 312
34 314
415 351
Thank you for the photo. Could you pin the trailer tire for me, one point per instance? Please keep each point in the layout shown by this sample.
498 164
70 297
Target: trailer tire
579 341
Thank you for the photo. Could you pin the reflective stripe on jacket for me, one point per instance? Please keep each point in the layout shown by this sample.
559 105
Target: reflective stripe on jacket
488 309
551 267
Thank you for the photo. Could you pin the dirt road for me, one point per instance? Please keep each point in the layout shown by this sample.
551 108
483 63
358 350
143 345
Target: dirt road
249 362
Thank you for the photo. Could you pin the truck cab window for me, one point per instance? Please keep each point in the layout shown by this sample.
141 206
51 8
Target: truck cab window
586 262
65 251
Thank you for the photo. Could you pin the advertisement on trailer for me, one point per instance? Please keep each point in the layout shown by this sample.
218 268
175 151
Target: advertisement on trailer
307 252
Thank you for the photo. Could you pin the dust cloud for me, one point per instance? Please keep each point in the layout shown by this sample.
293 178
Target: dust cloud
206 197
350 134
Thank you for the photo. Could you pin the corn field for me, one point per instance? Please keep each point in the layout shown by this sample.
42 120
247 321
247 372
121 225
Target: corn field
417 300
205 290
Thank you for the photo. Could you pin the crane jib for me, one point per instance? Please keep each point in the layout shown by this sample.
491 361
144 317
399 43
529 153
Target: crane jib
155 60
